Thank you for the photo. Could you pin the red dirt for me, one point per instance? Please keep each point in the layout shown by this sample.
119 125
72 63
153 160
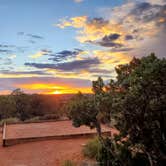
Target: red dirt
58 128
42 153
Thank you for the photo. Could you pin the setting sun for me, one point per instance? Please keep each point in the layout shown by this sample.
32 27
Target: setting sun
56 92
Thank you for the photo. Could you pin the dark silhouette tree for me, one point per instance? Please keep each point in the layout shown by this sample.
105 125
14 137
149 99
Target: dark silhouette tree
21 102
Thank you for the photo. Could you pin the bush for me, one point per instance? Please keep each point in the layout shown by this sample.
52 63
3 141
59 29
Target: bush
95 150
68 163
34 119
92 148
105 156
49 117
9 120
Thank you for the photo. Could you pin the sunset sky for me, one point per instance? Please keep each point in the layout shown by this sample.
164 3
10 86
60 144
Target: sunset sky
60 46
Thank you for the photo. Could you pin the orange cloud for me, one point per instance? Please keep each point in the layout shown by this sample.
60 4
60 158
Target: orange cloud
90 30
76 22
127 19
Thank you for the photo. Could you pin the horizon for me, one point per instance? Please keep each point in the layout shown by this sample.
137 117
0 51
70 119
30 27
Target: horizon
51 47
50 94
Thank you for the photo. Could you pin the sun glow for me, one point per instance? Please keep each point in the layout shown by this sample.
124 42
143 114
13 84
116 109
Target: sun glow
56 92
44 88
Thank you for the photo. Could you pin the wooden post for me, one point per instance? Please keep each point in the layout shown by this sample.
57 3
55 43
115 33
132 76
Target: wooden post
4 134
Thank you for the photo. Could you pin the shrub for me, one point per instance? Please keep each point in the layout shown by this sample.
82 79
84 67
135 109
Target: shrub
68 163
49 117
9 120
95 150
92 148
34 119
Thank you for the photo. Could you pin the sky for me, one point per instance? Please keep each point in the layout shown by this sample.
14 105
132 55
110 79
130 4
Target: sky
56 47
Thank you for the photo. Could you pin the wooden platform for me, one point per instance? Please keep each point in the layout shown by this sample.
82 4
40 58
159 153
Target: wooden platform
19 133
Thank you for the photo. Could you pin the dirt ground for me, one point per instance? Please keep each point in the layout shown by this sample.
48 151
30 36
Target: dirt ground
42 153
59 128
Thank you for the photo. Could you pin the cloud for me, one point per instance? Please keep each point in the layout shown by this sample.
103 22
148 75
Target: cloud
125 49
156 45
101 71
67 66
108 44
109 59
7 48
76 22
111 37
47 52
147 12
69 53
137 22
159 2
6 45
64 55
5 51
90 29
129 37
7 61
37 72
78 64
108 41
13 56
35 36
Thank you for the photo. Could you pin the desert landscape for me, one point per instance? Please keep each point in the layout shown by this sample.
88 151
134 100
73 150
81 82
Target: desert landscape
82 83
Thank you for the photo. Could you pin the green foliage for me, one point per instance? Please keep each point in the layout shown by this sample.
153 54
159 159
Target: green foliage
137 103
21 104
28 107
9 120
105 157
92 148
68 163
49 117
90 110
144 105
82 110
95 149
34 119
97 86
7 108
122 156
